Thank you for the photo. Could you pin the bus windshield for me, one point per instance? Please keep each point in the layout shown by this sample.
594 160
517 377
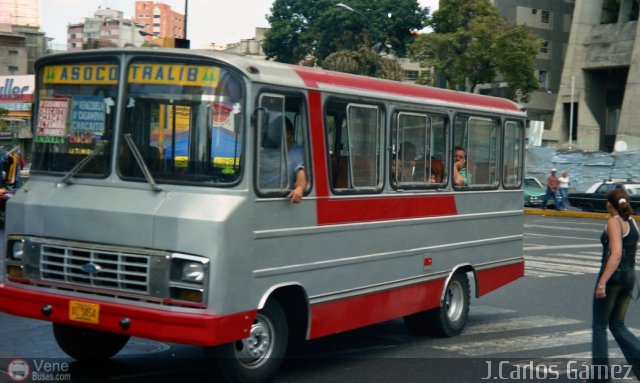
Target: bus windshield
75 117
185 119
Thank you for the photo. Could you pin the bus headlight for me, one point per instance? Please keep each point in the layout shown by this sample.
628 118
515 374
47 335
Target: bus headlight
193 272
17 251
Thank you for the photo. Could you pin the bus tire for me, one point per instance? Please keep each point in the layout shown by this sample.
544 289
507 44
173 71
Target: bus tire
87 344
258 357
450 318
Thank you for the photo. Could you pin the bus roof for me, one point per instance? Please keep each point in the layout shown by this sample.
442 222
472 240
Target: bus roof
276 73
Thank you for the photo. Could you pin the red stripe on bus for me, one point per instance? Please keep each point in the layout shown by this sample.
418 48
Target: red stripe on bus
347 314
165 326
313 78
318 150
492 279
336 210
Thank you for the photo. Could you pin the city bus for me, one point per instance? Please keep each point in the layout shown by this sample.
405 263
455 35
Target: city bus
157 205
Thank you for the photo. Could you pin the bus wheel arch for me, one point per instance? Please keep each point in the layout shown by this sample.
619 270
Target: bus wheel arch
450 317
281 322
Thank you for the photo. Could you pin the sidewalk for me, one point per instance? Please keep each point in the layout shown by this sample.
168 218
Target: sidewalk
565 213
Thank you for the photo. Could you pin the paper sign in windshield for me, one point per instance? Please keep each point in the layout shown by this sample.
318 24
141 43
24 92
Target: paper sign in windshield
52 117
87 114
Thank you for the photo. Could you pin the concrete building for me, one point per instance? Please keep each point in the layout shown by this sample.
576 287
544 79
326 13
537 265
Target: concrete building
159 20
21 41
108 27
603 65
20 12
550 20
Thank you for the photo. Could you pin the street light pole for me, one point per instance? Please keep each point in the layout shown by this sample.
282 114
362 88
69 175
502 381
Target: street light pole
374 35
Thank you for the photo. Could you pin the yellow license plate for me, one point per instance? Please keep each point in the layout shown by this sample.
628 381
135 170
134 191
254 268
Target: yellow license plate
84 312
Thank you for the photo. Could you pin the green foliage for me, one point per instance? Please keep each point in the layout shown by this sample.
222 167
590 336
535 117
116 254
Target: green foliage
363 62
471 45
317 28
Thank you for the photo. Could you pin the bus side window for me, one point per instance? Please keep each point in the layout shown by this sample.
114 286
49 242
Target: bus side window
354 139
418 141
282 145
479 137
513 154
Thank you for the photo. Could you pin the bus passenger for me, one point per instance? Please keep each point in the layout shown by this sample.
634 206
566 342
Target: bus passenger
461 176
275 176
295 155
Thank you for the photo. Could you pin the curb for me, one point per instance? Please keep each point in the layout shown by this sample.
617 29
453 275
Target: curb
566 213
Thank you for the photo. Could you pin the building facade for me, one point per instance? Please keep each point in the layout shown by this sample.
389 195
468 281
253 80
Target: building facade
20 12
159 20
597 109
106 28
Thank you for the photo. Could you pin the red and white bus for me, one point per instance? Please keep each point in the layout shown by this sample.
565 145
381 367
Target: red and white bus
151 209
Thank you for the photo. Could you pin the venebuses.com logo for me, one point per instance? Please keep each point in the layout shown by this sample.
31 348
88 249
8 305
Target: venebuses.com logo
20 370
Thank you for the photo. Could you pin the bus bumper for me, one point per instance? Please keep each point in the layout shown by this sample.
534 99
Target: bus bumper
166 326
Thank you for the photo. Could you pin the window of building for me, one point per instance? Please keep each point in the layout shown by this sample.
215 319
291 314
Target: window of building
545 16
411 75
543 77
534 11
545 47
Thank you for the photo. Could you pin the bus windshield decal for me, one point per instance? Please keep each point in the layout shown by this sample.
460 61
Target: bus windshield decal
88 74
174 74
52 117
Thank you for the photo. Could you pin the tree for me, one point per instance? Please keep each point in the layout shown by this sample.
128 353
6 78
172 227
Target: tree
471 45
317 28
363 62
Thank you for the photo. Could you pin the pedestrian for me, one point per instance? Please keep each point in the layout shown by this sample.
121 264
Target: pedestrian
614 287
552 190
563 181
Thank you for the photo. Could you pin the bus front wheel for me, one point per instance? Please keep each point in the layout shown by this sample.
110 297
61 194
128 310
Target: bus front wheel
449 319
87 344
258 357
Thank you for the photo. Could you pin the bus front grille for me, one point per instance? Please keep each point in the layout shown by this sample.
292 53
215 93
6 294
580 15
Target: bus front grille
100 269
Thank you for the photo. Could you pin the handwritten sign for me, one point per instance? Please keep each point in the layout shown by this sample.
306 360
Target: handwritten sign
88 114
52 117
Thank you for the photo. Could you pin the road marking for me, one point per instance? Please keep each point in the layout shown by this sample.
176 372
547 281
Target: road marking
560 247
566 261
536 321
571 269
519 343
572 228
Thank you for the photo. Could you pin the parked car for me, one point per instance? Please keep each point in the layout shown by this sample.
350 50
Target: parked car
597 200
534 192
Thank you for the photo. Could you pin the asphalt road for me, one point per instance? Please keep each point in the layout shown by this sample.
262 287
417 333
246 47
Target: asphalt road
535 329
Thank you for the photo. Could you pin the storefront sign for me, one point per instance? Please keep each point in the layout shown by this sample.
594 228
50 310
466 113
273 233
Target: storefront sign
16 88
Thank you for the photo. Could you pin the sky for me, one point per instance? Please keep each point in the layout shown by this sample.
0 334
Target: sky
208 21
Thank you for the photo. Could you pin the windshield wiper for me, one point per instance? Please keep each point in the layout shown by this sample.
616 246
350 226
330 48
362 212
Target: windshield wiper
80 165
141 163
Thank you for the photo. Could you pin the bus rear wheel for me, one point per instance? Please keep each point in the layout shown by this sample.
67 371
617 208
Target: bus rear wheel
449 319
258 357
87 344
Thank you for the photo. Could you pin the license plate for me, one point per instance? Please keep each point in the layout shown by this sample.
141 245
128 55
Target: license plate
84 312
